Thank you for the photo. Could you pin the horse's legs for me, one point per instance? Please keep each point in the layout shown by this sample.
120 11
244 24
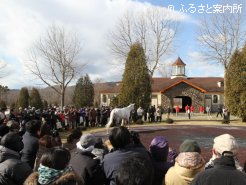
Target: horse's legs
122 122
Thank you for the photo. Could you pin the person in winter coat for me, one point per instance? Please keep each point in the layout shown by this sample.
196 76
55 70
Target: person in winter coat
223 167
31 142
159 149
188 163
72 139
12 170
54 169
84 162
121 140
134 171
45 143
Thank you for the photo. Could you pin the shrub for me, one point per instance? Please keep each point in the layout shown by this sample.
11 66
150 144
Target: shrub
139 122
169 120
225 121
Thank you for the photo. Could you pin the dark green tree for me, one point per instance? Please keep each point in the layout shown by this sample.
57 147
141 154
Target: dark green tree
45 104
35 99
136 82
235 84
84 92
23 99
3 105
114 101
3 89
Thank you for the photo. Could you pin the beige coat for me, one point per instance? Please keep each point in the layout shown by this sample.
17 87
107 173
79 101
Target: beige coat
187 165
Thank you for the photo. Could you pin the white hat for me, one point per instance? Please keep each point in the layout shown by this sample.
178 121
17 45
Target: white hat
225 142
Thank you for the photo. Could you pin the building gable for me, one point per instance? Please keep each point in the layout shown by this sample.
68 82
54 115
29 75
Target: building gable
183 81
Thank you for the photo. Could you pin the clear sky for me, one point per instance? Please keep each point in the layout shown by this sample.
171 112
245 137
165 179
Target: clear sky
22 22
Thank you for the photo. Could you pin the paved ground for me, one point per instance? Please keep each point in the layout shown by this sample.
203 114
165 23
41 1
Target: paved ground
200 128
204 135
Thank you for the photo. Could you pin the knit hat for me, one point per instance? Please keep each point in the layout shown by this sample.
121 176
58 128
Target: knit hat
87 140
12 141
189 146
225 142
159 148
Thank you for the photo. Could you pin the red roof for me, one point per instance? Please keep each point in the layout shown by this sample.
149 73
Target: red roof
204 84
178 62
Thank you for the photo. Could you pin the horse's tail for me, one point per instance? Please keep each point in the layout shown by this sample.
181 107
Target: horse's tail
111 118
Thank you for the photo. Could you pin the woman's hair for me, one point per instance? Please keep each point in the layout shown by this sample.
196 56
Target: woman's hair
56 158
45 130
46 141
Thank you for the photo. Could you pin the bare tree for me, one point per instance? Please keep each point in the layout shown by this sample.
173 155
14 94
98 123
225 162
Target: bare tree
154 28
165 70
54 59
219 34
3 72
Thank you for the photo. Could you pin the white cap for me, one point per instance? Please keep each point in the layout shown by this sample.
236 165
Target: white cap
225 142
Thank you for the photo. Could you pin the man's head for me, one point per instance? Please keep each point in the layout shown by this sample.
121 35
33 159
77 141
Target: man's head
12 141
119 137
33 126
135 170
225 143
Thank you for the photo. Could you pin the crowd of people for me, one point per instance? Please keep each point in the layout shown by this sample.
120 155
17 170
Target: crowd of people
31 153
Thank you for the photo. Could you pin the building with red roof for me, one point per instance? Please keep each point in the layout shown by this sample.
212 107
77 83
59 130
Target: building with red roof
178 90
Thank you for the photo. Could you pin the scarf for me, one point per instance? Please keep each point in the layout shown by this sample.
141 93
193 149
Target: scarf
48 175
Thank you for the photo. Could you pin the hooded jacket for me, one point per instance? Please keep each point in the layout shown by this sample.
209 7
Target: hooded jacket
187 165
84 164
12 169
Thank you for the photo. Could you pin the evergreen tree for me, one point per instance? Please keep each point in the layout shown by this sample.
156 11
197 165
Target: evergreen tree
235 84
23 99
84 92
136 82
45 104
35 99
3 105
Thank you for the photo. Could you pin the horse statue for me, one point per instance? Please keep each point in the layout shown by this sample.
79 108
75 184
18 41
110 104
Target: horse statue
120 114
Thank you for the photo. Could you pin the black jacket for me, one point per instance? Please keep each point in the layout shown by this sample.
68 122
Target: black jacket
30 149
12 170
112 160
86 167
224 172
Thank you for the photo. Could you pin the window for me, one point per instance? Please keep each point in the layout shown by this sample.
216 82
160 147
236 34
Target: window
215 98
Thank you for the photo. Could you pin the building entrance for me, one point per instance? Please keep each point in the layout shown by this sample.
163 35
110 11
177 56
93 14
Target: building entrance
182 101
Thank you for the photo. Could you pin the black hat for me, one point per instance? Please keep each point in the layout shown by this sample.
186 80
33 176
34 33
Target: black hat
12 141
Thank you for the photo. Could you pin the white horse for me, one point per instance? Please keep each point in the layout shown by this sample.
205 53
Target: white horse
120 114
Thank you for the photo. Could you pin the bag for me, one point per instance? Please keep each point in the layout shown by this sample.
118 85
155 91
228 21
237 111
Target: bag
58 125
